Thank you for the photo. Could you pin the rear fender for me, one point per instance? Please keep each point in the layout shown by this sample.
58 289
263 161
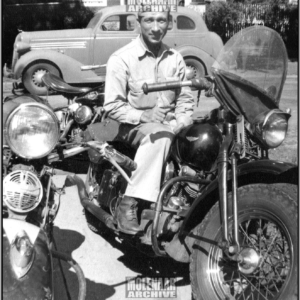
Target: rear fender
69 68
262 171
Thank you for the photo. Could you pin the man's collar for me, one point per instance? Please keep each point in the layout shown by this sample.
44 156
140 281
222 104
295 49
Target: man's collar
141 48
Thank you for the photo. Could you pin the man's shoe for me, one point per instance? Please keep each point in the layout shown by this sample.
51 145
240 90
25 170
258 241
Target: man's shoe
126 215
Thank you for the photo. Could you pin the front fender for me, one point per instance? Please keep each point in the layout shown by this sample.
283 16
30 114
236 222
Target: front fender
261 171
69 67
38 281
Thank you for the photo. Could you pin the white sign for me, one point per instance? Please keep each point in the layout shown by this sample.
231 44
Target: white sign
94 3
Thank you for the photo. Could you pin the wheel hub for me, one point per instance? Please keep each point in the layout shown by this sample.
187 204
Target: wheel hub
37 77
249 260
190 72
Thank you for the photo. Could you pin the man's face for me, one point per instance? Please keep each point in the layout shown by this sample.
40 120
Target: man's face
154 26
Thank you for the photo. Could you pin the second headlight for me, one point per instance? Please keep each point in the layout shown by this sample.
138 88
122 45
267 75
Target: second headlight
271 127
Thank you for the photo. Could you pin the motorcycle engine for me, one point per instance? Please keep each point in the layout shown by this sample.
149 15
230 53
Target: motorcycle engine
198 146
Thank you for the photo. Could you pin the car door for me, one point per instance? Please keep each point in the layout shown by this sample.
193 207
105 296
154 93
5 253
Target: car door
170 38
114 32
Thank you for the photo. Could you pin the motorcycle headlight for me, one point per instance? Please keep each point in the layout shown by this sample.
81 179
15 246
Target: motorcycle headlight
271 127
32 130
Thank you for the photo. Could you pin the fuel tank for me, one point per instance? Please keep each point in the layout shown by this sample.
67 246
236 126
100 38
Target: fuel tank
198 146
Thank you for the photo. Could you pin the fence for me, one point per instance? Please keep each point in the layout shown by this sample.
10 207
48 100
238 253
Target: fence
260 14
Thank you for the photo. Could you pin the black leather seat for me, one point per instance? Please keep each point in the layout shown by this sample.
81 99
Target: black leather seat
59 85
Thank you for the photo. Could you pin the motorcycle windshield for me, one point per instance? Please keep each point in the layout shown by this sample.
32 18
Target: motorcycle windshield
250 71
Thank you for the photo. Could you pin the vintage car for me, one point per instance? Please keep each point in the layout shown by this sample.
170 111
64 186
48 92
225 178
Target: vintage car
79 55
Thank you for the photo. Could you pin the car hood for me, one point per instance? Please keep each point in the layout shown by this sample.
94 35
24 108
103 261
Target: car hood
38 37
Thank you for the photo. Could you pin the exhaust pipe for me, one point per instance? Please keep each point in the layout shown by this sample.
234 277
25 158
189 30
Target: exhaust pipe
97 211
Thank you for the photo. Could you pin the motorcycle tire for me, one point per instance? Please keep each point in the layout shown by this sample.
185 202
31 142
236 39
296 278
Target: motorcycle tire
268 221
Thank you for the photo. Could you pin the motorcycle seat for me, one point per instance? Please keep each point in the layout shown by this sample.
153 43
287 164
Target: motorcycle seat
59 85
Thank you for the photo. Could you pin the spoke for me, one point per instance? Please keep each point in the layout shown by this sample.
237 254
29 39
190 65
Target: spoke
269 248
248 238
279 276
275 285
255 287
267 289
241 283
259 237
258 288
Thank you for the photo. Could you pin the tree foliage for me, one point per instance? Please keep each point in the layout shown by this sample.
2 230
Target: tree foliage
30 17
221 17
219 14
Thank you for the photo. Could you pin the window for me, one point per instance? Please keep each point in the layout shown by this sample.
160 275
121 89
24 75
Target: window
185 23
119 23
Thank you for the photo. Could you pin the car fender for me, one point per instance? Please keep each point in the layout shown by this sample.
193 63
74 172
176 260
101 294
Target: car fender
69 68
198 54
213 44
261 171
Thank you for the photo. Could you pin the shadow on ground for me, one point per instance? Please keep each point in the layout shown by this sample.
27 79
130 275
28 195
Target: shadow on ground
65 279
144 261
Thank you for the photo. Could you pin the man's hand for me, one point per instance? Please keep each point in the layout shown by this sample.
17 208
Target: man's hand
156 114
178 128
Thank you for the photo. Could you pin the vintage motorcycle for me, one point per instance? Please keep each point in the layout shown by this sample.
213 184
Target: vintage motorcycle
30 200
224 206
85 107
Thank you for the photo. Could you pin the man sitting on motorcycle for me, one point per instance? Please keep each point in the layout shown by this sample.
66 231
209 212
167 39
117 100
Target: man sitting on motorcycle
146 122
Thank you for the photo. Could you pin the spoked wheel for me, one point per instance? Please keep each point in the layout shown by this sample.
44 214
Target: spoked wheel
268 240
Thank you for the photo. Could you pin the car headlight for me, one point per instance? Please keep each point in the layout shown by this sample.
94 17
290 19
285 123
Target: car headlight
271 127
32 130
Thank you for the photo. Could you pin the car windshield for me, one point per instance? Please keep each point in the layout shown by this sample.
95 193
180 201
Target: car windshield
94 21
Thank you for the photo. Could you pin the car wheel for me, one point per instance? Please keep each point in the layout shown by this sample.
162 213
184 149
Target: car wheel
195 69
32 77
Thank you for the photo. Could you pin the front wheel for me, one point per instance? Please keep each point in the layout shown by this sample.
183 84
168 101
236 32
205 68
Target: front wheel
268 231
32 77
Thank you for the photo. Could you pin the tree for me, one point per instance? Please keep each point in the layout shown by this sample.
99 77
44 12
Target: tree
219 14
66 15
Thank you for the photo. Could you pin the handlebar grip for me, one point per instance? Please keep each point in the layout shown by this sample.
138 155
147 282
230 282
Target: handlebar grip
160 86
200 84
